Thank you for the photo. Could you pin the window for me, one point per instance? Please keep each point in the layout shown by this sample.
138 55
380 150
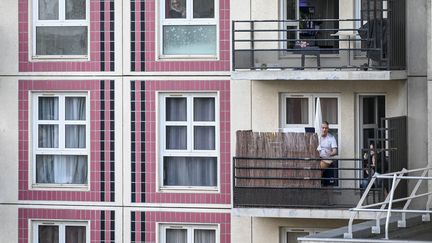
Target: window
189 234
298 111
60 139
60 28
306 11
189 28
188 138
60 232
289 235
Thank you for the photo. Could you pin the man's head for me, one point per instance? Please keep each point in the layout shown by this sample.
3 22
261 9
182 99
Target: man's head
175 3
324 128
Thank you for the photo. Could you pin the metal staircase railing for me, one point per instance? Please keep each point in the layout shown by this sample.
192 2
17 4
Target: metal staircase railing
387 205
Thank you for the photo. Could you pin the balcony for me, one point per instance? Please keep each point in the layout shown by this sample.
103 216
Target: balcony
281 170
372 43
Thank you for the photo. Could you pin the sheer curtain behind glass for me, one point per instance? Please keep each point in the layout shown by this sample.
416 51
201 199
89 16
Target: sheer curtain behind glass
48 234
297 110
56 168
176 111
176 236
204 236
75 110
329 109
204 136
190 171
75 234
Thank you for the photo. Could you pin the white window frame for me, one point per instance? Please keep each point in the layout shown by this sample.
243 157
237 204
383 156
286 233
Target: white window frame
62 21
311 113
190 230
190 151
61 150
189 20
62 228
285 230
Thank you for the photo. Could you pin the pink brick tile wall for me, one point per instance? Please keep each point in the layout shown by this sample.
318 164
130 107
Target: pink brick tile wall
143 224
100 190
100 26
101 222
145 101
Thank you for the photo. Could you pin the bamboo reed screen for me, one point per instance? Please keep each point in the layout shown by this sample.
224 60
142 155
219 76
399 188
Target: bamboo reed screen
276 145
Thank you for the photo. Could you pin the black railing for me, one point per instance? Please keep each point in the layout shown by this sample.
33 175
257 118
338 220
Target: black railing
300 183
338 44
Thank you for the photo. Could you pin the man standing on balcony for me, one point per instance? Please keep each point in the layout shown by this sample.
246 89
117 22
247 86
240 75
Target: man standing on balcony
327 146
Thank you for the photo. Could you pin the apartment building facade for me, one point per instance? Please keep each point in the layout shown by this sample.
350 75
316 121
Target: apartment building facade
120 117
116 123
287 55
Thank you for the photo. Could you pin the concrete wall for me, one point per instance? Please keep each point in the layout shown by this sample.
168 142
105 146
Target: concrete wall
9 37
9 139
267 230
256 104
417 100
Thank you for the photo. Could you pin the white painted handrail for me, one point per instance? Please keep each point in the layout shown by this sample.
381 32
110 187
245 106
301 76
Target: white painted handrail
389 200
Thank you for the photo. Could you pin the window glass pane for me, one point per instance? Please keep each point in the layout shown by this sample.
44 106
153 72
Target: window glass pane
189 40
62 40
75 234
297 111
329 110
204 109
335 133
291 9
75 9
75 136
75 108
203 8
176 236
48 234
61 169
48 108
204 138
176 137
48 9
369 110
175 9
190 171
176 109
48 136
204 236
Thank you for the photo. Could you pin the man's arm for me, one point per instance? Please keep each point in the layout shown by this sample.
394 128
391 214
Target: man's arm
334 152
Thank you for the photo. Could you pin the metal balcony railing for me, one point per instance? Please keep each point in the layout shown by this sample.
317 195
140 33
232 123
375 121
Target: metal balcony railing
300 183
299 44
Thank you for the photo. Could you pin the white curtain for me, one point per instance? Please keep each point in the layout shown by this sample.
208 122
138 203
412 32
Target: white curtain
176 109
204 236
176 236
297 111
204 137
75 136
329 109
75 108
61 169
204 109
75 234
176 137
48 108
48 136
190 171
48 233
48 9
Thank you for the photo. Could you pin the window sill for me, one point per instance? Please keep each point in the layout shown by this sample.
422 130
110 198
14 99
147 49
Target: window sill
59 187
186 58
191 189
61 58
